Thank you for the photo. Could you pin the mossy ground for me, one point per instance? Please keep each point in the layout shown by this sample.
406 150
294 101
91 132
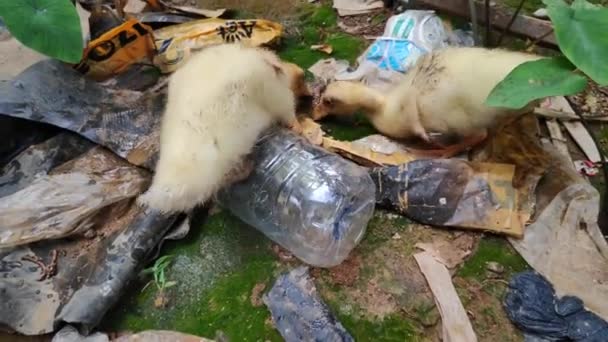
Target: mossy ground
383 296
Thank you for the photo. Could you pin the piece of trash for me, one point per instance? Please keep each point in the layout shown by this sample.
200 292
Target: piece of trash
495 267
64 202
557 138
396 236
450 253
69 334
586 167
200 12
158 20
77 271
325 48
298 312
172 41
406 37
326 69
476 195
293 177
134 6
455 323
367 153
160 336
541 13
532 305
111 53
356 7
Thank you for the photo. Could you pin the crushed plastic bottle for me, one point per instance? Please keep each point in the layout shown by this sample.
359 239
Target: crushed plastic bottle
311 202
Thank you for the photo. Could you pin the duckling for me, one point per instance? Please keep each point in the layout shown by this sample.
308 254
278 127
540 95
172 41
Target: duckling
443 93
218 103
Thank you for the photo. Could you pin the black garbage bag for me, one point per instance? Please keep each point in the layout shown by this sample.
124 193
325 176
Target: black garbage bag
75 279
532 305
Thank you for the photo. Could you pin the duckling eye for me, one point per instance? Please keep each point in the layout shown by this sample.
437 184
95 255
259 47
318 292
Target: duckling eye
327 101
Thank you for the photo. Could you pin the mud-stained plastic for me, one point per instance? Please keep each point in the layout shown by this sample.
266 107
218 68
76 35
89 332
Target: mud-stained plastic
452 192
532 305
298 312
126 122
78 279
66 201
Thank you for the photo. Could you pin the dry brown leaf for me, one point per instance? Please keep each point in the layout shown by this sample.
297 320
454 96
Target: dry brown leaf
323 48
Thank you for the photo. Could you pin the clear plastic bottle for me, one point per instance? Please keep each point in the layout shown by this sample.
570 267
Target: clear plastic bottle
311 202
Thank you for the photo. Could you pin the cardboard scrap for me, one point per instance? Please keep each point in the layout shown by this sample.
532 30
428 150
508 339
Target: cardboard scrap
174 42
450 253
357 151
454 320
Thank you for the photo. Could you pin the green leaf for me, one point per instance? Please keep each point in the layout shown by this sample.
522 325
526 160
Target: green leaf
535 80
582 34
51 27
147 271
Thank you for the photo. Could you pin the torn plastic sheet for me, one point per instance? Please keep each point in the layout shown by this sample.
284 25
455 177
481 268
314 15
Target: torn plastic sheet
65 202
85 274
452 192
564 242
298 312
126 122
531 304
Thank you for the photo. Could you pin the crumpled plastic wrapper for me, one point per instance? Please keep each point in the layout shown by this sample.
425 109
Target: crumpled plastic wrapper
66 201
298 312
90 271
175 43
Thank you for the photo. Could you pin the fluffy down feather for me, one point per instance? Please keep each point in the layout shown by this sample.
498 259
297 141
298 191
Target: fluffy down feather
219 102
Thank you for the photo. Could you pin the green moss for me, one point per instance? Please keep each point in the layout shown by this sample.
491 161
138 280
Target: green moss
381 228
323 16
348 128
496 250
216 268
346 46
394 327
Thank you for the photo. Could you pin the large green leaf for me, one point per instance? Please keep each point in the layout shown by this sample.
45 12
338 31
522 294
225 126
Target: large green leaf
535 80
51 27
582 34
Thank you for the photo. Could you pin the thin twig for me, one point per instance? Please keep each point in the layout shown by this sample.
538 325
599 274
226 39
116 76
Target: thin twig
536 40
513 18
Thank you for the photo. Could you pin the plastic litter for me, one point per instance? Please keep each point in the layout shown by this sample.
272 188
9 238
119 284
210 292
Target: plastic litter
406 37
452 192
311 202
532 305
75 280
175 42
298 312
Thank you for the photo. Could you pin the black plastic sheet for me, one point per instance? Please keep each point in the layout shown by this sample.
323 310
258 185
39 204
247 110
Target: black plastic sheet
532 305
51 92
